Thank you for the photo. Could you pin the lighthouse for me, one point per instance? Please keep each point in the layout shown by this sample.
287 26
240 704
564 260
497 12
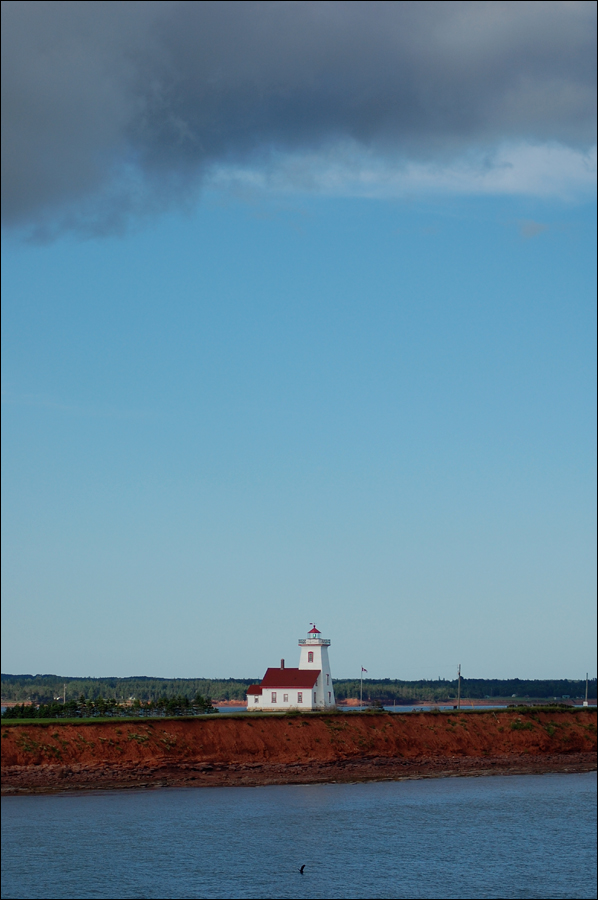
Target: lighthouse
307 687
314 656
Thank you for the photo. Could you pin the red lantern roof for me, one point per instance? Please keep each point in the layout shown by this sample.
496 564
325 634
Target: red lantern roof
314 631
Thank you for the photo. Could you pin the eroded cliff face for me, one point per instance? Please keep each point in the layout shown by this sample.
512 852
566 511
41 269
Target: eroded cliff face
254 749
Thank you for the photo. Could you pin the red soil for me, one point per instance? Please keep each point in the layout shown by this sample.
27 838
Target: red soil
222 704
258 749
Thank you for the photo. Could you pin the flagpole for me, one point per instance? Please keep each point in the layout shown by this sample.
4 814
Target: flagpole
361 687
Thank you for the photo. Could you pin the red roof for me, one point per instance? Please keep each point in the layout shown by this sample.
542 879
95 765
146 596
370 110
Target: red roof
314 631
289 678
254 689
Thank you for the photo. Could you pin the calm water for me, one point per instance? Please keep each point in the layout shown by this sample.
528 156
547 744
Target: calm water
518 836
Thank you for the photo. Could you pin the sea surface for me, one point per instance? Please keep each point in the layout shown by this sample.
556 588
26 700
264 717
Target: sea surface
513 836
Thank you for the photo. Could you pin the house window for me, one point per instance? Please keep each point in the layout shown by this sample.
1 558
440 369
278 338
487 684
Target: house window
315 696
328 679
273 696
256 699
285 698
299 696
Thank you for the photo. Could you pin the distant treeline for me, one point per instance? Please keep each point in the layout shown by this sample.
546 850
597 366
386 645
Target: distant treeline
46 689
392 690
84 708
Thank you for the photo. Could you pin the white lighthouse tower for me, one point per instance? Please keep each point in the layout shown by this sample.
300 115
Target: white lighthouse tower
314 656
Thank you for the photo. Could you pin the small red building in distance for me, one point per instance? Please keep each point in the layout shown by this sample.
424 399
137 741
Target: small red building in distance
308 687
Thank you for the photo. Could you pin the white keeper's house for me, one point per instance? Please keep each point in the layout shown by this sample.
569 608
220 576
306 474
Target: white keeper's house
308 687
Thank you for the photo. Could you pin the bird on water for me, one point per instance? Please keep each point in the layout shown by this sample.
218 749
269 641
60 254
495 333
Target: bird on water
302 868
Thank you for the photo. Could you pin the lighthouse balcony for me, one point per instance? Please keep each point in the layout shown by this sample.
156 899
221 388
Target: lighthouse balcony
319 642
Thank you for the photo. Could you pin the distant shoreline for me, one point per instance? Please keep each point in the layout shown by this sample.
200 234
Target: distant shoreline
46 689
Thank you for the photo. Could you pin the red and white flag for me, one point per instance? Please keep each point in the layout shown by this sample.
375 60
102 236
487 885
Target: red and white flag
363 670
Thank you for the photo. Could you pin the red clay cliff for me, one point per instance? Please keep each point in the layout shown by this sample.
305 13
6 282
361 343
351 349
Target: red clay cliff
49 755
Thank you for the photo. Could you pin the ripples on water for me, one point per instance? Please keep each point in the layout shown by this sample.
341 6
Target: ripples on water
502 837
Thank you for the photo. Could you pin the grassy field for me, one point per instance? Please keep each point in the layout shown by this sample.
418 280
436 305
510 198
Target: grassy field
527 709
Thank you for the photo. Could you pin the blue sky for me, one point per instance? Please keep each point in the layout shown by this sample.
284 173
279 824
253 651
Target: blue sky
293 399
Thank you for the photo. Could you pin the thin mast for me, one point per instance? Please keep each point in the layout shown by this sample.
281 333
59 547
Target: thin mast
586 703
459 687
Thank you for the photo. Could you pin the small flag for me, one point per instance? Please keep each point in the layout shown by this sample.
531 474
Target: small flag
363 670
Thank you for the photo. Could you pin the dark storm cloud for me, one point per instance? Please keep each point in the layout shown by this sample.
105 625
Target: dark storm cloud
113 108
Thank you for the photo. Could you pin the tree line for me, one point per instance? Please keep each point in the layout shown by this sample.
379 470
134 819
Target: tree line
84 707
47 689
393 690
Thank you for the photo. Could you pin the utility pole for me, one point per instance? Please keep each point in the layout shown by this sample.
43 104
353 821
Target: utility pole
459 687
64 694
585 702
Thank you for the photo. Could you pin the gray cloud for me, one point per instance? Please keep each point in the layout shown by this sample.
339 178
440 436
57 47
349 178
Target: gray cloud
112 109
